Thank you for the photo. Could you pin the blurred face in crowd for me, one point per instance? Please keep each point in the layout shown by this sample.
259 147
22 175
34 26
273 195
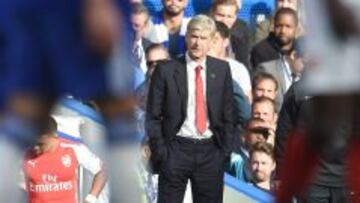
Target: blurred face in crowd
198 42
145 153
265 88
174 7
265 111
153 57
45 143
253 137
218 46
293 4
225 14
139 23
262 165
285 29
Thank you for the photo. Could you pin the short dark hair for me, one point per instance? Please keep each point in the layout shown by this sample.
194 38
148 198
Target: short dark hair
222 29
263 147
156 46
263 100
139 8
286 11
224 2
49 127
260 76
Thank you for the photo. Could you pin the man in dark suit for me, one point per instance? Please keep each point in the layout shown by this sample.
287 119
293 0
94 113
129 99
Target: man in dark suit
189 119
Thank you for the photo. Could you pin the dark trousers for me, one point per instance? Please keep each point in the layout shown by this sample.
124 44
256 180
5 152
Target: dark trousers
324 194
200 161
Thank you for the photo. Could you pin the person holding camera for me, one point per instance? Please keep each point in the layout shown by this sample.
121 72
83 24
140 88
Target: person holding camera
256 131
265 109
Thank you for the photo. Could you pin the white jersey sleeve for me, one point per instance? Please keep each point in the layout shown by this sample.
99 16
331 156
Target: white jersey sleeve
86 158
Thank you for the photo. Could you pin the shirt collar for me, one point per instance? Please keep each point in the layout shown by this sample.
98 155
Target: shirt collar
193 64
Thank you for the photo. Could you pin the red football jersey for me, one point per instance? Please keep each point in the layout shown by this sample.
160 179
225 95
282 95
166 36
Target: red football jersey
52 176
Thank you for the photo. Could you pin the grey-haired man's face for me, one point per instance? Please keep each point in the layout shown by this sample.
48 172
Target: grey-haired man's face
198 43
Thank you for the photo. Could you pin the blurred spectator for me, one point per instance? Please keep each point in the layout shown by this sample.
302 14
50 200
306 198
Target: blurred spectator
266 26
264 85
262 164
226 11
285 74
239 73
288 120
140 24
239 161
51 169
170 26
71 43
155 53
279 43
136 1
264 108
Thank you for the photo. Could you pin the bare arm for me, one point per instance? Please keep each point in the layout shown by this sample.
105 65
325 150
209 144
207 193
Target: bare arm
98 183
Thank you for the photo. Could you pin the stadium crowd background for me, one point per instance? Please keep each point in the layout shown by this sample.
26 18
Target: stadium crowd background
262 41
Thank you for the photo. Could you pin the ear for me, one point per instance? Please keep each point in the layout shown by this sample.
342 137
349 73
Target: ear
226 43
276 116
273 166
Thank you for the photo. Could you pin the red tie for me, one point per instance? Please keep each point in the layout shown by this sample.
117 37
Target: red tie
200 106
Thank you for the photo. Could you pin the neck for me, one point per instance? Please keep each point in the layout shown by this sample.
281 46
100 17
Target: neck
52 145
264 185
197 60
173 22
215 55
287 47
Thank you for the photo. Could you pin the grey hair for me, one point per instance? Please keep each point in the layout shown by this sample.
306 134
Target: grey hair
202 22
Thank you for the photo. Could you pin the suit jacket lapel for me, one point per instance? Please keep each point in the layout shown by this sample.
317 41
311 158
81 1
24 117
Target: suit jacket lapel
180 77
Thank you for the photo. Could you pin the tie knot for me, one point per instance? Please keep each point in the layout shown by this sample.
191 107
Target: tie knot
198 69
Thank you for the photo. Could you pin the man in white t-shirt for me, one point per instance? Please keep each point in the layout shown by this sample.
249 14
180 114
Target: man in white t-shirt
219 50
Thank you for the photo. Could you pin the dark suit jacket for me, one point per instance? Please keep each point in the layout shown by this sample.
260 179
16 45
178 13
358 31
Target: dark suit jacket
240 42
167 104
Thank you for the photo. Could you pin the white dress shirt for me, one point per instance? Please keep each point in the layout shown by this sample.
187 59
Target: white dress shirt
188 129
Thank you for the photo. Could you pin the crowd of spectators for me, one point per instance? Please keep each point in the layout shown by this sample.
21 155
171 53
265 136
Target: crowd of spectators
264 63
234 113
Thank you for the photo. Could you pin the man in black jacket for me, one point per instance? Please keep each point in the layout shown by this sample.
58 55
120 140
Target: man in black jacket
280 42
